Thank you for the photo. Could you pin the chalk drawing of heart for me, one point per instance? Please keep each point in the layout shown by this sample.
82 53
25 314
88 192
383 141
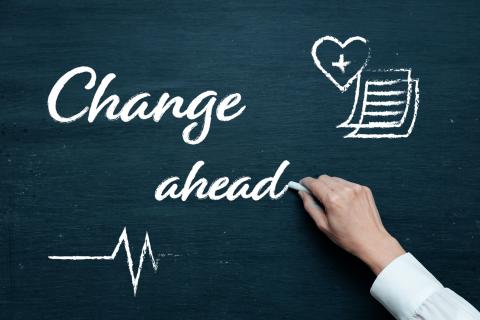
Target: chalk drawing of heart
342 87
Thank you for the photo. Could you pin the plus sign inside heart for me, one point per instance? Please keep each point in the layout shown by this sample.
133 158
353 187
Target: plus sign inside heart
341 62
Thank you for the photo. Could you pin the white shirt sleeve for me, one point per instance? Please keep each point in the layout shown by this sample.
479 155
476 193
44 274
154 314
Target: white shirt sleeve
408 291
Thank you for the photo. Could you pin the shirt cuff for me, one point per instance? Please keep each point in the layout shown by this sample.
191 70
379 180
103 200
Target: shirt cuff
403 286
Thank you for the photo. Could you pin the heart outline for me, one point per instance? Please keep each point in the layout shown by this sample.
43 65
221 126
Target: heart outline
342 45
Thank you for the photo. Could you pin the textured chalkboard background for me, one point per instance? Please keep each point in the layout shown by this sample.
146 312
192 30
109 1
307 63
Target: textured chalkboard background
71 188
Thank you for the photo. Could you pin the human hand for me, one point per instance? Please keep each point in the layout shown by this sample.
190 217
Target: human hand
350 218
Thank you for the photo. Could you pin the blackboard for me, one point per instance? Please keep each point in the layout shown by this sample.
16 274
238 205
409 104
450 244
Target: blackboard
71 189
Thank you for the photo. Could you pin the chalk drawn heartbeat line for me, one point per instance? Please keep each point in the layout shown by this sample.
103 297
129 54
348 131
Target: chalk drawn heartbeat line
147 248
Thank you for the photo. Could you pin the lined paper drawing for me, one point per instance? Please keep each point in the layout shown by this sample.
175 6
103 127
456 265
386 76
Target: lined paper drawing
386 105
386 101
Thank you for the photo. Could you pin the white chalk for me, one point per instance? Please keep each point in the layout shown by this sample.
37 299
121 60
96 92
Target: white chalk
147 248
297 186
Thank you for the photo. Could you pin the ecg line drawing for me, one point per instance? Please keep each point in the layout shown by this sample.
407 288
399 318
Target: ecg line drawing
123 239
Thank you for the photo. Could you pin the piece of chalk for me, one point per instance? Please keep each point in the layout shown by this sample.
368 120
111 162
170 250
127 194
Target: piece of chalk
297 186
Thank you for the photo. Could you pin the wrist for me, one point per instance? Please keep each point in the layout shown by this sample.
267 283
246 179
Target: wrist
384 250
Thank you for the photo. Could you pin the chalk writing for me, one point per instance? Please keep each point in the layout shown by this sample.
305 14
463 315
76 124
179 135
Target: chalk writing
239 188
200 107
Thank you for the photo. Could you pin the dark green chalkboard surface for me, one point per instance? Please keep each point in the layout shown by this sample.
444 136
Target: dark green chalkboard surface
72 188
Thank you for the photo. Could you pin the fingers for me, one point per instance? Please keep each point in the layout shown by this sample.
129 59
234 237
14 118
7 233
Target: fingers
314 210
344 182
318 187
329 190
331 182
